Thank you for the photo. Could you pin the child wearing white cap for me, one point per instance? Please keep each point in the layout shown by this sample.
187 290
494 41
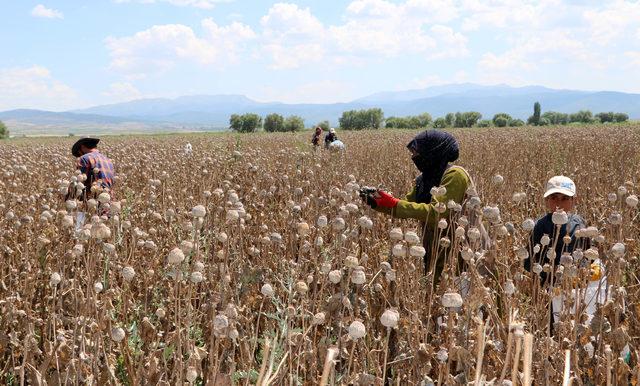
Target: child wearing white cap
554 237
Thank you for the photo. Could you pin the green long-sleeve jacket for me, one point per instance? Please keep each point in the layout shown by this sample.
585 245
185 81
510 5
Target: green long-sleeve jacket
456 180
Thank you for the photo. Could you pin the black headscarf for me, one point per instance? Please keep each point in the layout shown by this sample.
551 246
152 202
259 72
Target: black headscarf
435 150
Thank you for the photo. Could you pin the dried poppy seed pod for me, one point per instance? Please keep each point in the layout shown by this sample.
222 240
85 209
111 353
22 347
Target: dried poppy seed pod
390 318
267 290
460 233
632 201
104 198
612 197
351 261
335 276
545 240
497 179
176 256
196 277
318 318
509 287
615 218
618 250
390 275
399 250
322 221
198 211
537 269
473 234
358 276
301 287
160 313
442 224
365 222
338 224
451 300
442 355
417 251
192 374
559 217
54 279
117 334
128 273
522 253
357 330
528 225
97 286
396 234
467 254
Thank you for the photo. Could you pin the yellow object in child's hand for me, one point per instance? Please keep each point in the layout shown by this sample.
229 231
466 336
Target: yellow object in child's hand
595 271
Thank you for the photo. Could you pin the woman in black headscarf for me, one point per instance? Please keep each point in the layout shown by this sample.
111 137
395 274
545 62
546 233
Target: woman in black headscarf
439 188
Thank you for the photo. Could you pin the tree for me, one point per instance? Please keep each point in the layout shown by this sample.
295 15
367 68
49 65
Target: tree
245 123
274 122
535 118
501 119
449 119
293 123
4 131
620 117
485 123
556 118
516 123
466 119
362 119
325 125
582 116
440 123
424 120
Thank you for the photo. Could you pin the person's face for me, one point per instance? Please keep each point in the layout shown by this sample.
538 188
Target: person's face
559 201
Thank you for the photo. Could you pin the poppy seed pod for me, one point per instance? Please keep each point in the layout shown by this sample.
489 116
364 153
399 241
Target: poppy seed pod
192 374
417 251
117 334
442 224
460 232
612 197
104 197
559 217
390 318
176 256
267 290
537 268
399 250
196 277
128 273
54 279
528 225
618 250
467 254
322 221
338 224
396 234
351 261
301 287
473 234
451 300
335 276
198 211
545 240
318 318
358 276
97 286
412 237
509 288
365 222
442 355
632 201
357 330
497 179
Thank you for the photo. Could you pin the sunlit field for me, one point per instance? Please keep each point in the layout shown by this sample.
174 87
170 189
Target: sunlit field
254 261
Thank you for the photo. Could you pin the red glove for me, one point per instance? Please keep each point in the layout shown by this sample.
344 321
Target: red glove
385 200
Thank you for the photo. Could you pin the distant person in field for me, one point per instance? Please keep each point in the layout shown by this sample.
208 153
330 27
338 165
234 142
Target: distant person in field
330 137
548 239
96 166
432 152
315 140
188 149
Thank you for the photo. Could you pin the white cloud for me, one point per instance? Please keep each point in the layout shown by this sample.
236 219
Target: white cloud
612 21
122 91
48 13
160 47
633 57
203 4
33 87
325 91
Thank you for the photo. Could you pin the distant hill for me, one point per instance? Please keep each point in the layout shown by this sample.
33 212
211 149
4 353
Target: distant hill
211 112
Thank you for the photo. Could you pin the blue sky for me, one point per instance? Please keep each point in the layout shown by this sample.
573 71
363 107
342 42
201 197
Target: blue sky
64 54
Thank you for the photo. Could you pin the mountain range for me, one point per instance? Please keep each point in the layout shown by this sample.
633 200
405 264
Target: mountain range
212 112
